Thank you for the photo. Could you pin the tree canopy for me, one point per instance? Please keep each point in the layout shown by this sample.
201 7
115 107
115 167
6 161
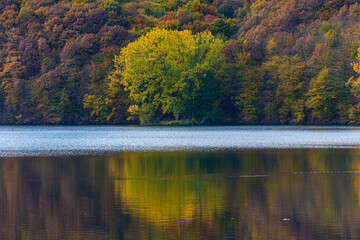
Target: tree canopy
164 71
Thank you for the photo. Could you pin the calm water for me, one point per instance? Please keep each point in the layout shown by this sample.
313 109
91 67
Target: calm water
179 183
30 141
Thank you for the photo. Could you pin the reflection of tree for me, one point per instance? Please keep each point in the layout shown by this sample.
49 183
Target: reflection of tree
168 189
183 194
55 199
306 186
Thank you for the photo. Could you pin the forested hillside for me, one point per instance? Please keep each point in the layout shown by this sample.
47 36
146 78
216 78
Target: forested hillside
200 61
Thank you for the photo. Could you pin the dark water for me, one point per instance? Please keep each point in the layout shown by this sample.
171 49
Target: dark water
232 194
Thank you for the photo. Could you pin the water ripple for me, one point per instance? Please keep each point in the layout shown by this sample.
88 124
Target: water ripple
71 140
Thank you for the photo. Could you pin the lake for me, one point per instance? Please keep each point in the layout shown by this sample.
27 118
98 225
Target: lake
179 182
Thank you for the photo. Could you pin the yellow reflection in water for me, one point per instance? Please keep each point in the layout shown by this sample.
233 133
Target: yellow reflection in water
356 184
166 189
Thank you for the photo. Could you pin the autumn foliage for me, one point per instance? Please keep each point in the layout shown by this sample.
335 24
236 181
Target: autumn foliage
281 62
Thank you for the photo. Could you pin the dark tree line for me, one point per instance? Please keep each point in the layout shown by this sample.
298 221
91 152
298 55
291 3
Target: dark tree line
51 54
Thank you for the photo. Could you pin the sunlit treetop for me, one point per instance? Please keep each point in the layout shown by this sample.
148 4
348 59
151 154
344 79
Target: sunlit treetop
164 69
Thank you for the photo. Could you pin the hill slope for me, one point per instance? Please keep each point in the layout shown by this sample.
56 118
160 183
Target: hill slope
286 61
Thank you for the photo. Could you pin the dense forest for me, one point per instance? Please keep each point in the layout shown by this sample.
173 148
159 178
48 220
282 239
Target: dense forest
177 61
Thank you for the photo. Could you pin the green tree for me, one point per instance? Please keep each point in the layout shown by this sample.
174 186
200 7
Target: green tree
225 27
324 94
164 70
283 89
248 99
111 5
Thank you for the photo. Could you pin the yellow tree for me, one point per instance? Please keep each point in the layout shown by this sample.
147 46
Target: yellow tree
10 82
354 83
165 69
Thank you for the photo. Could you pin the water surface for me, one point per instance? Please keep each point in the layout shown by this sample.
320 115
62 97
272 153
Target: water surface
75 140
246 194
179 183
